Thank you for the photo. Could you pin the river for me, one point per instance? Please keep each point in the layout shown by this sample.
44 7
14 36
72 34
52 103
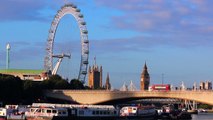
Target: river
202 116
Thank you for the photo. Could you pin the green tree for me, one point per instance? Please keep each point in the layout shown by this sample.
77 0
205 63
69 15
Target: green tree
205 106
76 84
55 82
11 89
32 91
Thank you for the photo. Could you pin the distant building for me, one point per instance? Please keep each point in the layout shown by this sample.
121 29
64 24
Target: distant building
95 77
24 74
206 85
202 85
107 84
145 78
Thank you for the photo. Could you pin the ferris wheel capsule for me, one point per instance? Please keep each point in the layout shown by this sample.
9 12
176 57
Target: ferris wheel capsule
80 16
74 6
85 62
86 41
85 31
77 10
83 23
86 52
84 72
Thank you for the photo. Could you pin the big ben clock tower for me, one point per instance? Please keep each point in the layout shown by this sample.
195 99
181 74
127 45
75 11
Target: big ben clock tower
145 79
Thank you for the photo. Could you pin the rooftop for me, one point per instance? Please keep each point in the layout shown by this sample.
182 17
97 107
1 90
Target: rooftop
29 71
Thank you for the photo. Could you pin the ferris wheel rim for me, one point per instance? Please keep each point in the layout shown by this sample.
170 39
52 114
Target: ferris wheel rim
75 12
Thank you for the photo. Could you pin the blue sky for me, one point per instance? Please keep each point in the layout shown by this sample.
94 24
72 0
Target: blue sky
174 37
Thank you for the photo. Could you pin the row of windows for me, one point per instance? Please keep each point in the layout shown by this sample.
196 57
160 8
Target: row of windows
48 111
100 112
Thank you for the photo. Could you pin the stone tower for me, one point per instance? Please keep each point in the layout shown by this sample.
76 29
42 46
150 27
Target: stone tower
107 84
95 77
145 79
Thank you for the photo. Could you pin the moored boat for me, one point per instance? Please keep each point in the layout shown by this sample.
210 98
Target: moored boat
168 112
71 112
13 112
99 112
3 113
46 113
138 112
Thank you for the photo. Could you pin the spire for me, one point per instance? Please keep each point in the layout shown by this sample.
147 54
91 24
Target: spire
101 69
145 67
89 68
145 70
124 87
132 87
107 85
107 78
95 60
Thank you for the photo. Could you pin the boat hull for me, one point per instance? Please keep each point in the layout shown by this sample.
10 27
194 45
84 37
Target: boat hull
2 118
93 118
72 118
15 117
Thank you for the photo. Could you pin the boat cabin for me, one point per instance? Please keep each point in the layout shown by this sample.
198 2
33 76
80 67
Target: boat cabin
96 112
46 111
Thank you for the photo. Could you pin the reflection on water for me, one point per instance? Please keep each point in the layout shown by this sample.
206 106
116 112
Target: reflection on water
200 116
203 116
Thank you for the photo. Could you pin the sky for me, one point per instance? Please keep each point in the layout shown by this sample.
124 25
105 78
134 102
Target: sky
173 37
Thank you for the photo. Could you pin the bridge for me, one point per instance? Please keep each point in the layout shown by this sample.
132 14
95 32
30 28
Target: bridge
103 96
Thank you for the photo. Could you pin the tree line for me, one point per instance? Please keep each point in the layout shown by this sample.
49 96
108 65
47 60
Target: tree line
13 90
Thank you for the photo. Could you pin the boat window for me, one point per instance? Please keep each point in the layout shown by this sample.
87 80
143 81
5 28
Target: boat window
104 112
108 112
48 111
73 112
93 112
59 112
81 112
64 112
38 110
101 112
43 110
32 110
97 112
54 111
115 112
134 108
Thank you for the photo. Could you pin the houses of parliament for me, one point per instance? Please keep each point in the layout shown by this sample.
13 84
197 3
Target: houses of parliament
95 78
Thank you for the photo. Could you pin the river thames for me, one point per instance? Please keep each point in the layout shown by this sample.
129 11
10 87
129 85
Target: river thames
202 116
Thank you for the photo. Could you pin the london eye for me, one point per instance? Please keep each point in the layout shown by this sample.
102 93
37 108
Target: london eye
79 18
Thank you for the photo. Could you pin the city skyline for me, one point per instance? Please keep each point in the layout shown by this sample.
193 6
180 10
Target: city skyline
173 37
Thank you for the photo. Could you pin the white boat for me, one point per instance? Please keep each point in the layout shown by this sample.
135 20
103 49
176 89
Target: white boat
86 112
134 112
3 113
169 112
100 112
13 112
46 113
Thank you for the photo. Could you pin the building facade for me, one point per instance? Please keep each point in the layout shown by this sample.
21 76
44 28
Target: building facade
206 85
95 77
145 78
